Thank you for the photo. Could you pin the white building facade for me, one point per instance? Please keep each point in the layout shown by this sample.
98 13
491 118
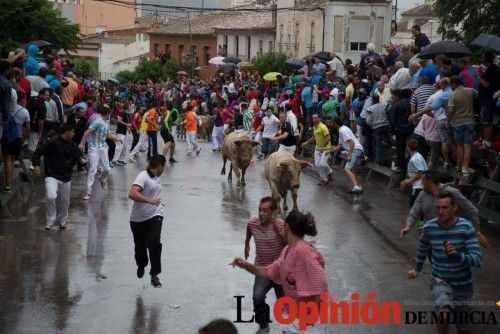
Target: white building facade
121 54
345 27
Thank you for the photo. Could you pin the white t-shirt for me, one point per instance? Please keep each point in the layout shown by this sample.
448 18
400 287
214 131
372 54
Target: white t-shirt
416 164
151 188
271 126
21 116
344 135
292 119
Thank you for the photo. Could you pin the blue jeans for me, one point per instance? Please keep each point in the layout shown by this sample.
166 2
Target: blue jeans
153 144
261 287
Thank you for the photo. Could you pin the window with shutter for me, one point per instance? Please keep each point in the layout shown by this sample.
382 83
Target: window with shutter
359 35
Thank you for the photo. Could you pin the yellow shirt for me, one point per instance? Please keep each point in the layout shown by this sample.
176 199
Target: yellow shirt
144 124
321 136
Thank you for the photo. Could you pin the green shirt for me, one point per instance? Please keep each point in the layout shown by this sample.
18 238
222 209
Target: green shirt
330 108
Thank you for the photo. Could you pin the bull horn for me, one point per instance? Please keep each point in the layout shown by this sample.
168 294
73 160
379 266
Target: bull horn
305 164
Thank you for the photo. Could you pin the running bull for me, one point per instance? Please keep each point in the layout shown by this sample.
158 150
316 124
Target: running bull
239 150
282 171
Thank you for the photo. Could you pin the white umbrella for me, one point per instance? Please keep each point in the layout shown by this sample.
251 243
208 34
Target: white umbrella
216 61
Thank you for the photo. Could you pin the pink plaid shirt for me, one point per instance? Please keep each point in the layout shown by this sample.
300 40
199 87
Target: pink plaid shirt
301 270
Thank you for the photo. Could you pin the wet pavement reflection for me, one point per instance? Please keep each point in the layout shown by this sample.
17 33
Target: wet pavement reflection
82 280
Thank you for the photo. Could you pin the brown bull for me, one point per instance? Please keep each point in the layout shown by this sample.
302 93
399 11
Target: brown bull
239 150
283 174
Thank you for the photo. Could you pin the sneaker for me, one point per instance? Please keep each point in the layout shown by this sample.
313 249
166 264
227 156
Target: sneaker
198 151
103 185
121 162
86 197
172 160
112 164
189 154
7 189
62 227
131 159
47 228
356 191
264 330
140 272
155 281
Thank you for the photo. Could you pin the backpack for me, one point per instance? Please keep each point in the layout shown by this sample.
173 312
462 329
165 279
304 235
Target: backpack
11 131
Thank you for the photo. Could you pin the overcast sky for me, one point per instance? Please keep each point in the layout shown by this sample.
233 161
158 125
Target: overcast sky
407 4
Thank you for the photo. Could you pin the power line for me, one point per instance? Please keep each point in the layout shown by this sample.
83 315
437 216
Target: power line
190 8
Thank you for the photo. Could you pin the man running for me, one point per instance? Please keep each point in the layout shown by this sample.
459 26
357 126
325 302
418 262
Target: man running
147 217
321 138
60 155
354 150
268 234
454 250
97 133
166 133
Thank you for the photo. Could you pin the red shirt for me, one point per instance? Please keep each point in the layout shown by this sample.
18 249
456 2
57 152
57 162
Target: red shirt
295 104
268 245
301 270
25 86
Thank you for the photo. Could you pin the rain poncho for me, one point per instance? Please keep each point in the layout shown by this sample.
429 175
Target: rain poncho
31 67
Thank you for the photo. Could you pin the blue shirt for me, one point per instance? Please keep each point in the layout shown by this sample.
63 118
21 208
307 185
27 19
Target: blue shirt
430 72
98 132
454 270
307 96
442 100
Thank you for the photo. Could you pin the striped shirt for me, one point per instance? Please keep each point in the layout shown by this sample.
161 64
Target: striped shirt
247 120
455 271
421 95
301 270
98 132
268 245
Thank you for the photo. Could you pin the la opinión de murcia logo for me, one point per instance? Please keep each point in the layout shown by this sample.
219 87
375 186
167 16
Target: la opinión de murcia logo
286 310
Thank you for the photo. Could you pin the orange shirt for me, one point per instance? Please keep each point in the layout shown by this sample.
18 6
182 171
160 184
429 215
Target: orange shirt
69 92
191 125
153 118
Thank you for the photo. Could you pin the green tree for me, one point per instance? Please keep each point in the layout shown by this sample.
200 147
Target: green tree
84 67
151 69
273 61
171 67
127 75
463 20
28 20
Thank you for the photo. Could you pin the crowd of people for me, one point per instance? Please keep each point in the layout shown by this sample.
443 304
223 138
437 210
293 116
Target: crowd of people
428 109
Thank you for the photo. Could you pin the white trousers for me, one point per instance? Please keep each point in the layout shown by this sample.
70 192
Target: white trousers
33 141
173 130
143 141
217 136
258 137
56 201
321 162
120 148
191 142
97 158
290 149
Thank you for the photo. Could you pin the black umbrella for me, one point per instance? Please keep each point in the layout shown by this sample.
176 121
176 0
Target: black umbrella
323 56
39 43
451 49
487 41
295 62
231 60
229 67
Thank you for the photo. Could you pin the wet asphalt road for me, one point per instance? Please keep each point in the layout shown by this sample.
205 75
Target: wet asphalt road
83 280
